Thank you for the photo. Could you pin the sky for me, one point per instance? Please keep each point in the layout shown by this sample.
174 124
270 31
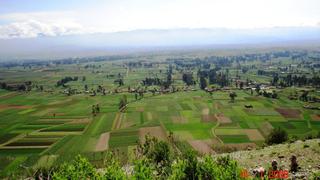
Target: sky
34 18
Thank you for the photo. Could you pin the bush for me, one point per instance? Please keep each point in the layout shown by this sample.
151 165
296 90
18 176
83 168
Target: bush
143 169
191 163
150 165
113 169
222 168
277 136
178 170
80 168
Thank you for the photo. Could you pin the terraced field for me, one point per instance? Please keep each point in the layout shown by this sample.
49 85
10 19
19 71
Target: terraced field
203 121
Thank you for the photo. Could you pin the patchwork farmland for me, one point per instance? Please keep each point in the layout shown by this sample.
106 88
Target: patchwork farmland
193 117
43 128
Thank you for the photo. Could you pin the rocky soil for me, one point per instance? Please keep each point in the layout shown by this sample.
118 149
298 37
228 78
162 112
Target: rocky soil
307 153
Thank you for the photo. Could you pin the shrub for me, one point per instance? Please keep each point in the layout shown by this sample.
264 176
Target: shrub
113 169
277 136
222 168
191 163
143 169
80 168
178 170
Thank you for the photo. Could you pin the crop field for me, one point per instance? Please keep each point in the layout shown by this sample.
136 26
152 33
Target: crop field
40 128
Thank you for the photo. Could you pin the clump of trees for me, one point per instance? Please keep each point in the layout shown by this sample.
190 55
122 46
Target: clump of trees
277 136
119 82
203 83
26 86
188 79
292 80
95 109
152 81
232 96
65 80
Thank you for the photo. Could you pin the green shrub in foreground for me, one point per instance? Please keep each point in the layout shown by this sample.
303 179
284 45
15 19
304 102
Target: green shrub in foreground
158 163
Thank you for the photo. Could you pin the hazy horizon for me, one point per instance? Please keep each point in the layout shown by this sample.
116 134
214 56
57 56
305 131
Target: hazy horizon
34 18
44 28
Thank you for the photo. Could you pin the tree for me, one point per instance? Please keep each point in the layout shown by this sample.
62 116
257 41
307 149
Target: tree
241 85
277 136
141 94
123 102
161 153
203 82
232 95
97 108
304 96
258 89
188 79
93 110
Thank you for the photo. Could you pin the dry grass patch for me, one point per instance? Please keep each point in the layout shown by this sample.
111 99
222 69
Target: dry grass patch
202 146
265 128
179 120
208 118
289 113
156 131
8 95
140 109
315 117
228 148
197 97
5 106
217 105
205 111
103 142
117 121
222 118
80 121
254 135
183 135
149 116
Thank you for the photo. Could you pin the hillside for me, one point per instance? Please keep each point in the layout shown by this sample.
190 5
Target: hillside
307 153
155 160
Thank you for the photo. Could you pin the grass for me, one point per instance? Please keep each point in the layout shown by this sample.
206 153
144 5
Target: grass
123 138
6 137
20 151
234 138
66 128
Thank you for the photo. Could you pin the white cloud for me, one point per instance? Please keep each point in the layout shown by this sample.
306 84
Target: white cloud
33 28
28 25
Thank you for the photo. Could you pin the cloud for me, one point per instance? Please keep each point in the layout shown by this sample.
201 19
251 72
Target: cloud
29 25
33 28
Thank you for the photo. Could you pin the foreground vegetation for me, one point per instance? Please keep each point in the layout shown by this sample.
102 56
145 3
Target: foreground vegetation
154 160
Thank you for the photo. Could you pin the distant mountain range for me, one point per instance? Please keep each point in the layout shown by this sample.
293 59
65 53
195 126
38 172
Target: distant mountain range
104 43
